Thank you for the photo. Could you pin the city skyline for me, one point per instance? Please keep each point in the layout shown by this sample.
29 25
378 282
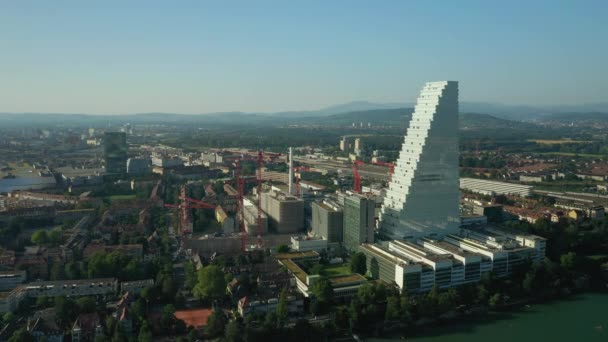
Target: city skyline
113 58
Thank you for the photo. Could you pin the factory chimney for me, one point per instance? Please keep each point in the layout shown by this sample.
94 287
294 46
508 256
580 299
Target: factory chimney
291 190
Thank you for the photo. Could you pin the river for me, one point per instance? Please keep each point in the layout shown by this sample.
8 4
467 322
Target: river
580 318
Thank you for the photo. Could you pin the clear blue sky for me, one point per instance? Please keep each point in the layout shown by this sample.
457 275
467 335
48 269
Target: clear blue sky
202 56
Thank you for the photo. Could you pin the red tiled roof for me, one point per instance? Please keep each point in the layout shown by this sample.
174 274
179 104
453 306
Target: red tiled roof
194 317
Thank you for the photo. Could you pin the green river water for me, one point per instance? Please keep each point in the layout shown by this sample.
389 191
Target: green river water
583 318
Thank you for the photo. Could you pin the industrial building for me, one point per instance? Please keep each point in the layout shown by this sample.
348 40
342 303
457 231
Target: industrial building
115 152
327 220
492 188
343 286
78 177
456 259
359 220
285 212
138 166
250 213
422 197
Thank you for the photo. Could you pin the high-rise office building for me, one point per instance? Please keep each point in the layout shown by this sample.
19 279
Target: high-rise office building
285 212
423 195
359 220
115 152
327 220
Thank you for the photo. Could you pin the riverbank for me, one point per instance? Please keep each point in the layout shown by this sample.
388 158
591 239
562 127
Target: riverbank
579 317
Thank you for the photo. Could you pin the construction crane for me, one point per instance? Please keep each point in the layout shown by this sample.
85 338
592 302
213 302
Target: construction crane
184 208
357 176
259 193
240 185
299 169
391 168
240 188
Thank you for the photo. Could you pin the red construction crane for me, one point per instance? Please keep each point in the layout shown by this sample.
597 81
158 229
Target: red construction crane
357 176
240 182
391 168
296 170
259 193
184 208
240 185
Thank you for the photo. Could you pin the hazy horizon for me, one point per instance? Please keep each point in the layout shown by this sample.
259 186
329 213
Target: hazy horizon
194 57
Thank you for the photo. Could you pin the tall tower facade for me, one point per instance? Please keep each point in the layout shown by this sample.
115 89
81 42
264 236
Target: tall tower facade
115 152
423 195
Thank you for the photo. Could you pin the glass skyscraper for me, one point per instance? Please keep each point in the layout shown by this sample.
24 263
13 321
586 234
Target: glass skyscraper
115 152
423 195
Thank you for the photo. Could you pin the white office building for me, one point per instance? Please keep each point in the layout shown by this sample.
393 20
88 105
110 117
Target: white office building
423 195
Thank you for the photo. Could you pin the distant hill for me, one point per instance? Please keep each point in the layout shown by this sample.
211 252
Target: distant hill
576 117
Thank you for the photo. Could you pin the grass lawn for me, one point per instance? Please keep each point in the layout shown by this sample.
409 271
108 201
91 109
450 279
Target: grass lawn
122 197
335 270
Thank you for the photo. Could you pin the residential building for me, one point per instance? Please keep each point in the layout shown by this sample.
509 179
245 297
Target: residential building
115 152
359 220
87 327
135 287
11 279
423 197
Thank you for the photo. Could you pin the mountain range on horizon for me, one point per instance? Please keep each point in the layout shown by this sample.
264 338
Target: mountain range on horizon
511 112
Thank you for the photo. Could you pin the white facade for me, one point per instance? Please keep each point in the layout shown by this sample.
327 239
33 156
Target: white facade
423 195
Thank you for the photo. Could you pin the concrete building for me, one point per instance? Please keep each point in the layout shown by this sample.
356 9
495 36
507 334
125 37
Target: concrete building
11 279
115 152
166 161
138 166
359 220
422 197
328 220
78 177
251 220
344 286
308 243
493 188
457 259
344 144
285 212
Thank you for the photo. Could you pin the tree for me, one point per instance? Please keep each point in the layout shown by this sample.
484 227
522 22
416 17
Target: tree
392 308
211 284
86 304
145 335
283 249
40 237
282 312
568 261
322 293
495 300
190 272
322 290
64 310
21 335
167 318
215 324
234 332
358 263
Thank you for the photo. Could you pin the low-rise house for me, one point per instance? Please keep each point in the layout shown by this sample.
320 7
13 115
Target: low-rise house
43 326
135 287
86 328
